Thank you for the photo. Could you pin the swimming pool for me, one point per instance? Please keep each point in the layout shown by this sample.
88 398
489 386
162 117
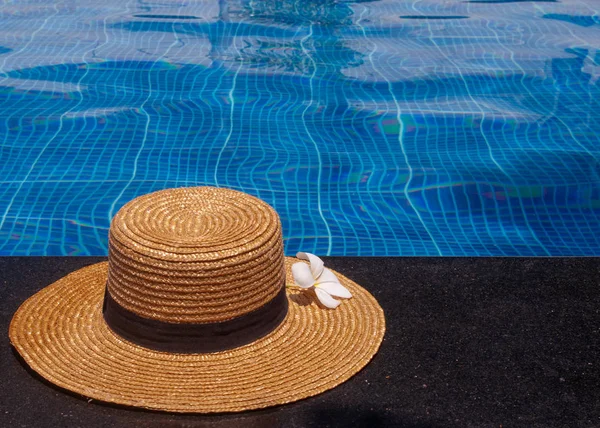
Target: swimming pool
373 127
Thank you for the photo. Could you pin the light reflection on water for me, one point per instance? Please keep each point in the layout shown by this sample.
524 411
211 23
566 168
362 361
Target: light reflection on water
373 127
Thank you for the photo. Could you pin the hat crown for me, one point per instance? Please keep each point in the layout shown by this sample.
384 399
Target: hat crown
195 255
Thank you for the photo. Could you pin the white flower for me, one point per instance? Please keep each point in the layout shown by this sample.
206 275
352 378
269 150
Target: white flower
322 280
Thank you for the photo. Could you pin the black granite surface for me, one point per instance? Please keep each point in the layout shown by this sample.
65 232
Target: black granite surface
470 343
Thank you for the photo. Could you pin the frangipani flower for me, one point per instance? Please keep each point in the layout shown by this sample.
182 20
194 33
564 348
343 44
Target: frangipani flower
322 280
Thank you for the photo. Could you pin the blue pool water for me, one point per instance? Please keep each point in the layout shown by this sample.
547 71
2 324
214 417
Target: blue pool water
389 127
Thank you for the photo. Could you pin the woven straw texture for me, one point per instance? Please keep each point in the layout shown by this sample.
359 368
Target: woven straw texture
167 252
195 255
61 334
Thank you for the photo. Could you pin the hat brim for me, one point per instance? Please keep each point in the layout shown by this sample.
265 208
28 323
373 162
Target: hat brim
61 334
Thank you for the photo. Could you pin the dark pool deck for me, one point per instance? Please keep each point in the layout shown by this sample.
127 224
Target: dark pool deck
471 342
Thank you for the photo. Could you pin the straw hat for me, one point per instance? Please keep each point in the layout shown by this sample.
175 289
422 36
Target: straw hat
191 313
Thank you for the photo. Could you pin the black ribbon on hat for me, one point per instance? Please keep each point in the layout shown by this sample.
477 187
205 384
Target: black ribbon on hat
188 338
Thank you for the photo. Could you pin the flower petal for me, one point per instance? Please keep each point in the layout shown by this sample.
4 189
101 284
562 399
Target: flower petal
328 276
316 264
334 288
302 275
326 299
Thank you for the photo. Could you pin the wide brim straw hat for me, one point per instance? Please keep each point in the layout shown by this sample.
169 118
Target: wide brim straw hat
186 262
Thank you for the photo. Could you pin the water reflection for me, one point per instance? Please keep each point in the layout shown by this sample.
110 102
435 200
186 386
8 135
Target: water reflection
434 17
372 127
581 20
158 16
511 1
